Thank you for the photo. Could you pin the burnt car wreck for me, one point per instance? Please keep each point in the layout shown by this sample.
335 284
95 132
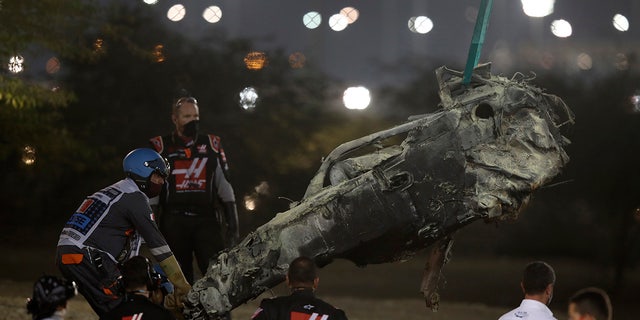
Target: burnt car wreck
489 146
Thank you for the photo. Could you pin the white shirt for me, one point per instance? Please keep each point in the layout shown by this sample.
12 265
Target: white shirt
529 310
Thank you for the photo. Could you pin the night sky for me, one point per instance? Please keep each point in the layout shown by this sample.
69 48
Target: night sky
367 51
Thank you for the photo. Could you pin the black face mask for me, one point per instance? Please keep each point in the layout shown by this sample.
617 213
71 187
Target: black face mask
191 129
153 189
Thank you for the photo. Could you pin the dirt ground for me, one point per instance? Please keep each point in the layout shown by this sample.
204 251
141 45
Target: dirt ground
476 286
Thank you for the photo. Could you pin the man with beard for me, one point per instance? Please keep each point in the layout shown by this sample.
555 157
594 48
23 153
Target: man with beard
197 208
108 228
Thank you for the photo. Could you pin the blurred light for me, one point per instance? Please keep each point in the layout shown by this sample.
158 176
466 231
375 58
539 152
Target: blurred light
16 64
28 155
561 28
297 60
471 14
248 98
636 215
547 60
53 65
176 12
621 62
412 24
249 203
212 14
501 55
356 98
635 101
255 60
99 47
350 13
584 61
262 188
420 24
157 53
312 19
150 1
620 22
338 22
537 8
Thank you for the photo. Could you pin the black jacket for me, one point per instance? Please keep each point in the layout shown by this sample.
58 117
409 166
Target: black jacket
140 307
300 305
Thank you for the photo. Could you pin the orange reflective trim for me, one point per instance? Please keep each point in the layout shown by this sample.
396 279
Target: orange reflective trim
72 258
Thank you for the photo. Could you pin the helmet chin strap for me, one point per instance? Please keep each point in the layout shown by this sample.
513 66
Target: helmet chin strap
141 182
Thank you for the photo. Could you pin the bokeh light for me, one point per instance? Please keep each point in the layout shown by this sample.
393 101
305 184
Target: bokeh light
262 188
248 98
251 200
16 64
357 98
53 65
420 24
620 22
538 8
29 155
212 14
249 203
471 14
501 55
621 62
176 12
157 53
312 19
547 60
635 101
255 60
584 61
297 60
350 13
338 22
99 47
150 2
561 28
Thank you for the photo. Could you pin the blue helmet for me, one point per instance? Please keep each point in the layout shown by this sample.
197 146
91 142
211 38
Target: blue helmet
141 163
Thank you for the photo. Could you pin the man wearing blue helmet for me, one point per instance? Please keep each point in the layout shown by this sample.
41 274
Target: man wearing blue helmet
108 228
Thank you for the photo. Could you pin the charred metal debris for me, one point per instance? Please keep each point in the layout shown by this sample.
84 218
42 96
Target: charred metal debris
480 156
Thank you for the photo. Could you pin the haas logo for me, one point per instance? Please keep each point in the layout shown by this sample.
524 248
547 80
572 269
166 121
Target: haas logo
191 175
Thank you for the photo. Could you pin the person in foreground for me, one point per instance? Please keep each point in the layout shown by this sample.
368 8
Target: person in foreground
590 304
302 304
108 228
143 294
49 300
537 284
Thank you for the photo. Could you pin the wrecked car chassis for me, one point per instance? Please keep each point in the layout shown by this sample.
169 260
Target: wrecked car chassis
480 156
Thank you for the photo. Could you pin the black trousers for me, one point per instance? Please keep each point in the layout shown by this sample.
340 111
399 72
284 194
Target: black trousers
98 286
192 234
